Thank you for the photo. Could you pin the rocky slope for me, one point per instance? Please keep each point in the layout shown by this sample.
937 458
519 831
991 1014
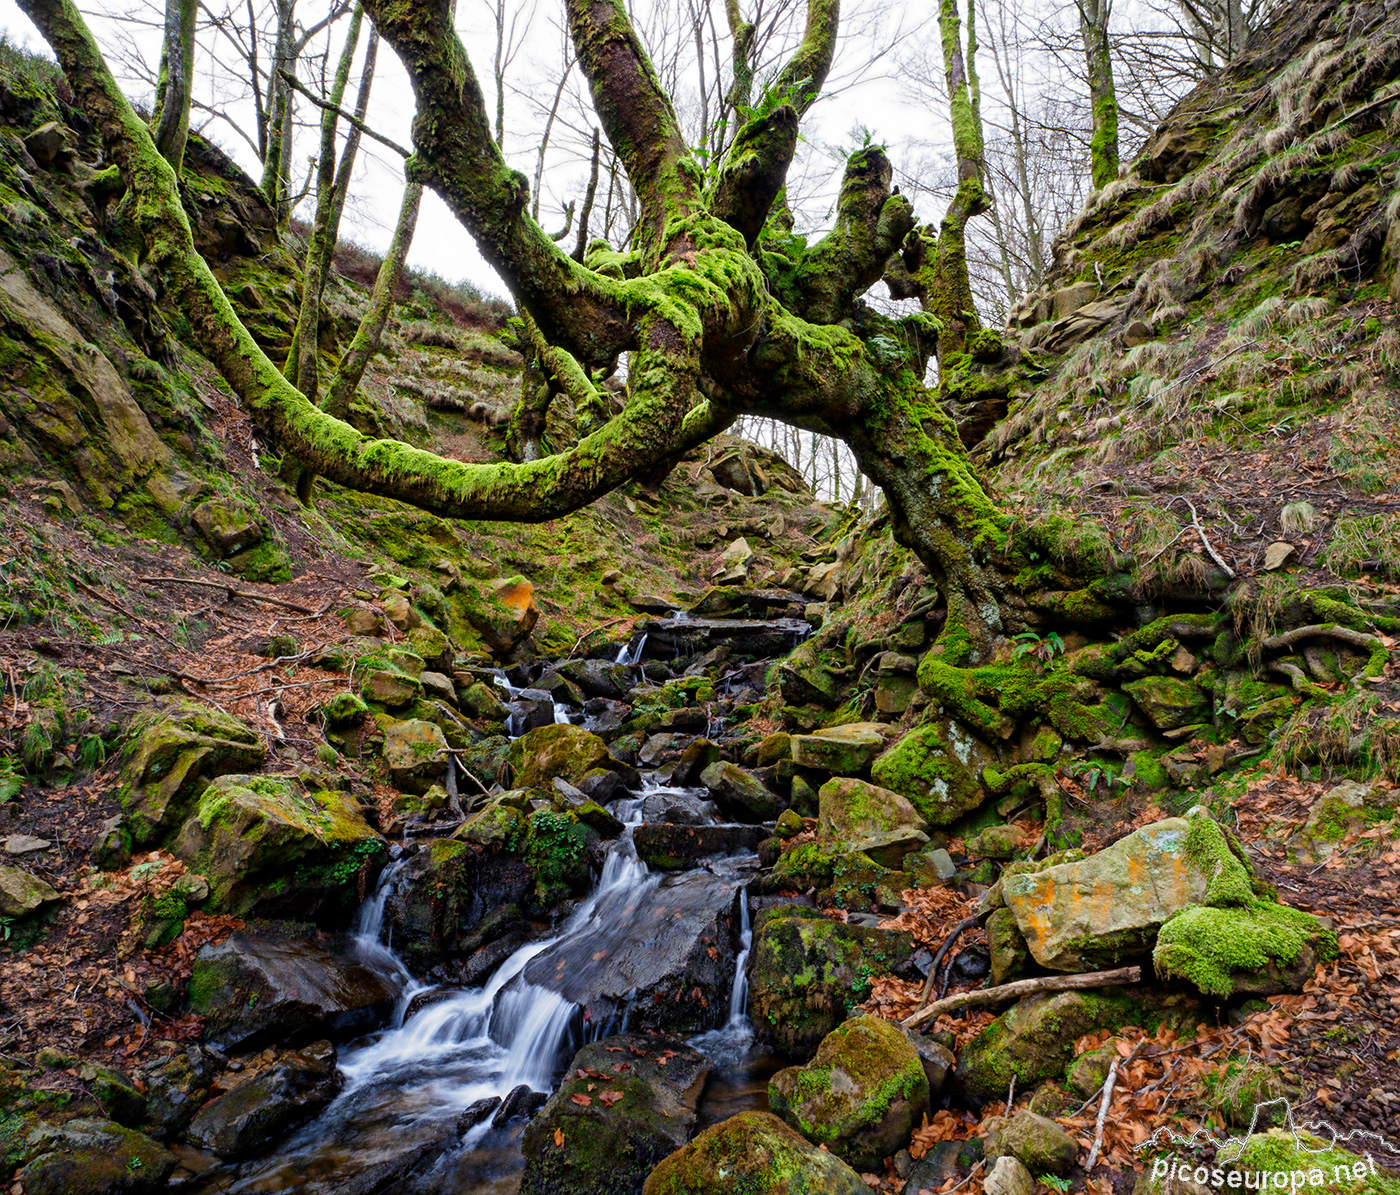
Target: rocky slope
227 721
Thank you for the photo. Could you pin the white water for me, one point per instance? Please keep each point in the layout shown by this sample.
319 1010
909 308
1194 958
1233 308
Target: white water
627 657
728 1045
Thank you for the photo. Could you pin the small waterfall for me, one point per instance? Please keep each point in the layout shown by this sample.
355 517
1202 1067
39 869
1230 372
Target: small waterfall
739 997
369 926
727 1047
629 658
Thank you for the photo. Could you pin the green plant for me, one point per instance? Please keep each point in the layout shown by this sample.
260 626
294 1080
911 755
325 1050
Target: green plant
1044 649
92 752
10 780
1054 1181
5 924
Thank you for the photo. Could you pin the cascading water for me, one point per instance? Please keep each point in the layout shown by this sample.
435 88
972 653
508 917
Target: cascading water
629 658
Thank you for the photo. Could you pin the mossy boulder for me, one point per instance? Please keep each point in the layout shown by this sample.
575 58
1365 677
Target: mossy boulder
1169 701
429 903
480 702
1108 908
91 1156
627 1103
1286 1150
268 843
172 749
938 768
861 1096
753 1153
1035 1141
22 893
228 526
808 974
277 985
1011 957
1034 1040
389 690
850 810
499 612
415 752
845 750
1251 1095
556 849
500 825
739 794
1261 950
569 752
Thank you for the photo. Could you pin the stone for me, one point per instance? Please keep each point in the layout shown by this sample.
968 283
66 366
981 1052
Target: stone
739 794
505 613
363 621
1137 332
46 143
22 893
861 1096
1008 1176
679 848
842 750
176 1088
227 525
1069 299
1277 554
1263 950
1033 1040
603 1131
416 754
1010 956
757 1154
823 582
998 842
25 844
264 986
789 824
115 1092
598 678
1170 702
849 810
1035 1141
558 749
252 1115
697 756
92 1156
676 808
931 867
268 844
399 610
392 690
938 767
439 687
735 555
111 849
431 645
480 702
174 748
937 1060
806 974
1099 912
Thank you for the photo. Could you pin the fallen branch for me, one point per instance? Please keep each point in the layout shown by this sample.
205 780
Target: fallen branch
1008 992
957 931
1108 1084
1317 630
1201 531
231 591
587 634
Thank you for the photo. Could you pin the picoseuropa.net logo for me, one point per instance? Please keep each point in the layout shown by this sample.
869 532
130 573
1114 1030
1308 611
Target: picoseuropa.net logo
1317 1157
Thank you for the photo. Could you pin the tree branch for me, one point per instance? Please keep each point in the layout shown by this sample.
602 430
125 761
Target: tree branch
349 117
1008 992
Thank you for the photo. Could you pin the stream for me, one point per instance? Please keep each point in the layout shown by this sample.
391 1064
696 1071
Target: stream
394 1124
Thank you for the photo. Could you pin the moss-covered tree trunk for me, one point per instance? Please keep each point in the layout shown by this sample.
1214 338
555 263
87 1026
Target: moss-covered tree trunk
1103 98
175 85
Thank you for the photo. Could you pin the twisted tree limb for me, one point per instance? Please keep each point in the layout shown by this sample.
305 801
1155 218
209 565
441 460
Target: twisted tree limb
1008 992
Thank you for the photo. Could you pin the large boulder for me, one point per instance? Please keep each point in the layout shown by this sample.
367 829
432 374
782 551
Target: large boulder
678 848
841 750
1036 1141
427 905
171 751
265 986
753 1153
599 678
1169 701
269 845
1096 913
938 768
90 1156
808 973
627 1103
1262 950
21 893
502 612
1034 1041
861 1096
557 750
739 794
416 754
245 1120
865 817
667 961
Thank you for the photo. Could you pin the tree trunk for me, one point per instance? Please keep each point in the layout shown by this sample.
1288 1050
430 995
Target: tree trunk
175 88
1103 99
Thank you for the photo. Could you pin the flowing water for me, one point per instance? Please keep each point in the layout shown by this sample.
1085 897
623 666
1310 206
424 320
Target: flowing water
393 1127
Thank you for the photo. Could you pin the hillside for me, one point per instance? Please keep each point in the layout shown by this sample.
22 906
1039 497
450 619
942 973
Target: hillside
350 848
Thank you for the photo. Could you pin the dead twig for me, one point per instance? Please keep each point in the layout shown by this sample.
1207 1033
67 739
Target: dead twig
247 594
1008 992
1108 1084
1201 531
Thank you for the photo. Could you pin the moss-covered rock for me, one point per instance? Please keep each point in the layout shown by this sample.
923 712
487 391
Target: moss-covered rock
500 612
500 825
267 844
1169 701
739 794
1261 950
849 810
607 1126
1034 1041
845 750
938 767
415 751
861 1096
22 893
1011 957
753 1153
569 752
1250 1095
172 749
556 848
789 824
1286 1151
1035 1141
89 1156
807 974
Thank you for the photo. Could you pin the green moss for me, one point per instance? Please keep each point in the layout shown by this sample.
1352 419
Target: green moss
1281 1150
1211 947
557 851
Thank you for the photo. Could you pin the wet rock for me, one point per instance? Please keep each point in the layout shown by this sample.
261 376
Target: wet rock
677 808
416 754
1095 913
842 750
22 893
176 747
481 964
90 1156
865 817
520 1101
481 702
265 986
245 1120
598 678
531 709
175 1089
1034 1041
474 1113
807 974
861 1096
679 848
739 794
659 749
1263 950
759 639
688 719
267 843
557 750
606 1128
1037 1142
755 1153
669 960
938 768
